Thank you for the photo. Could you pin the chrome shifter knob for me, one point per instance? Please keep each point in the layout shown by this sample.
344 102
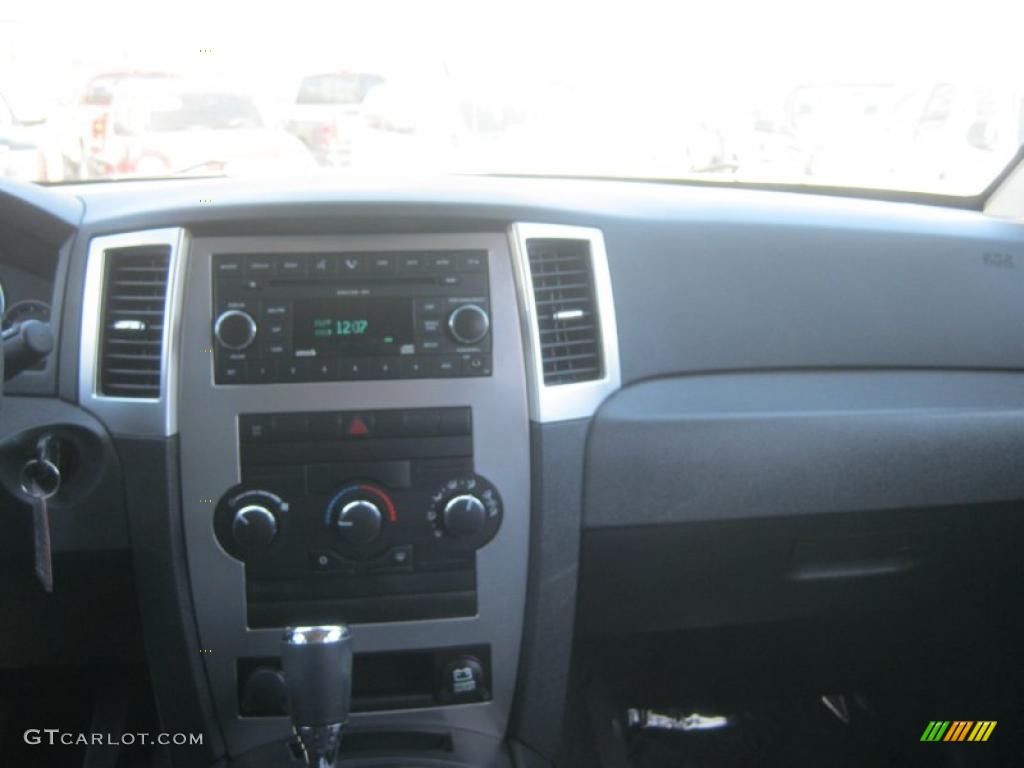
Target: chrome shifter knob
317 664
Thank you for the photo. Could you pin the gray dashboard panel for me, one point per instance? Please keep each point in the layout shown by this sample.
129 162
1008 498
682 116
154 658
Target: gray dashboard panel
825 291
704 279
745 446
210 465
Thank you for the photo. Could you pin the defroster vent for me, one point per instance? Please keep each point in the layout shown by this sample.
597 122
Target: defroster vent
132 331
562 274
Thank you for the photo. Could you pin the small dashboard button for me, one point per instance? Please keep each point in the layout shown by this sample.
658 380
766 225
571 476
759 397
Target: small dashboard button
260 266
232 372
381 263
321 265
447 366
228 266
442 262
472 262
412 262
294 370
292 266
351 264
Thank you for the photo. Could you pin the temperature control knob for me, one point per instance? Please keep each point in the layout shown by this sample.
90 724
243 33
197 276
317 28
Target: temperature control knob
360 518
468 324
463 515
254 526
235 329
359 522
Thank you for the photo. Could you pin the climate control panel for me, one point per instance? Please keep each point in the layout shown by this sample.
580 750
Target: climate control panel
361 516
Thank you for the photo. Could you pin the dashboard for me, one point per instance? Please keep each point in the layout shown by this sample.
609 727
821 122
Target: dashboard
479 418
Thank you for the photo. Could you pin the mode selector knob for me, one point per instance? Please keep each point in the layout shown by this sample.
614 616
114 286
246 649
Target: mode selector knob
254 526
235 329
359 522
464 515
469 323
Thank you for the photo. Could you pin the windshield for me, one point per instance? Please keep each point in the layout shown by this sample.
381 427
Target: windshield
914 96
188 110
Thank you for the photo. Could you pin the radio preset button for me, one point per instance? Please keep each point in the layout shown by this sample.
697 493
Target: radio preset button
385 368
235 329
262 371
354 369
324 369
294 370
413 369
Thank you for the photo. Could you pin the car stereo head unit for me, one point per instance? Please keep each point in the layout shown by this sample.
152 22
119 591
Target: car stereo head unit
353 315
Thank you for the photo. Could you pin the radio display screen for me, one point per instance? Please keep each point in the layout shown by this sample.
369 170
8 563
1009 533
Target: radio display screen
343 327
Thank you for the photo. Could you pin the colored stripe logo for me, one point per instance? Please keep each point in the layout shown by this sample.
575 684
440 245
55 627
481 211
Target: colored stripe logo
958 730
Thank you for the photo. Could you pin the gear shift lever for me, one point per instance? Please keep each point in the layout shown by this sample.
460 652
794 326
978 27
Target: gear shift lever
317 663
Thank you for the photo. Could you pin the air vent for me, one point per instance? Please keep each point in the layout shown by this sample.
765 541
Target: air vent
562 274
132 331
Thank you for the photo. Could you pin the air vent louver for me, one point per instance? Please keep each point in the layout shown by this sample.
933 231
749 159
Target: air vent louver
135 295
563 290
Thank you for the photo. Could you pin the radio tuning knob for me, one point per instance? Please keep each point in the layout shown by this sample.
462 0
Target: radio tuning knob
468 324
235 329
254 526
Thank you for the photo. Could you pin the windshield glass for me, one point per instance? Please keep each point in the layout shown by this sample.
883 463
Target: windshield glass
914 96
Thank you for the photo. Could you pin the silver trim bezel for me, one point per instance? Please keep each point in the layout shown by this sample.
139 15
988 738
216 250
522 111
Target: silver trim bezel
210 464
139 416
562 402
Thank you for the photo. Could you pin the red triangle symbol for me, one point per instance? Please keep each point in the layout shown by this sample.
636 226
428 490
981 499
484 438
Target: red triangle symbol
357 427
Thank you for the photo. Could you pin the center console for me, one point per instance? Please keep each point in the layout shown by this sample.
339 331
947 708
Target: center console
354 449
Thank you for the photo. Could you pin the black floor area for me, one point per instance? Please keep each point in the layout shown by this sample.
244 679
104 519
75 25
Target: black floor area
105 700
896 674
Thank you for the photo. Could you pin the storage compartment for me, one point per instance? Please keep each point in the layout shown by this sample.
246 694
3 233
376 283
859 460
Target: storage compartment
380 681
720 500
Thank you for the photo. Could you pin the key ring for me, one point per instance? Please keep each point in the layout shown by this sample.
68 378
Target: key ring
40 478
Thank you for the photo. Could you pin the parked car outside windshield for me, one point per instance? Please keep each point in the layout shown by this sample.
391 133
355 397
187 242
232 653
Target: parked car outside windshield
915 96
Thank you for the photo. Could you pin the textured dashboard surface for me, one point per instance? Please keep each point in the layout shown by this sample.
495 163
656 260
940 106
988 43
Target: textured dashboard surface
745 446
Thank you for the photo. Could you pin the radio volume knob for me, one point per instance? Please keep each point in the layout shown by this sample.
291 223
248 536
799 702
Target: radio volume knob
235 329
468 324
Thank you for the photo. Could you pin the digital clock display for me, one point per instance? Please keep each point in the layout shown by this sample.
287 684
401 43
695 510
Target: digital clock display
353 327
